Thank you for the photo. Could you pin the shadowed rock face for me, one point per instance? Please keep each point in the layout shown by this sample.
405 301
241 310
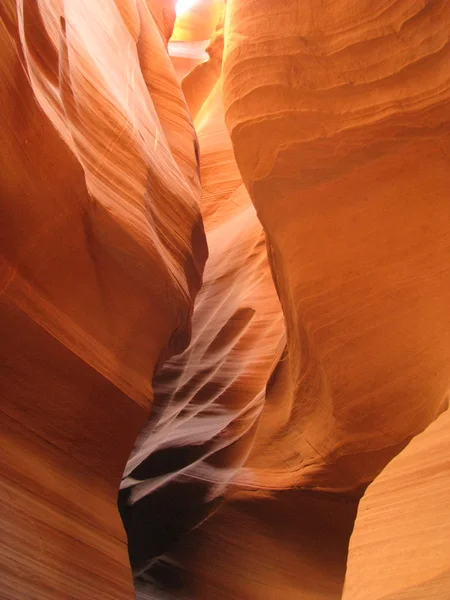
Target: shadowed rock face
306 151
209 398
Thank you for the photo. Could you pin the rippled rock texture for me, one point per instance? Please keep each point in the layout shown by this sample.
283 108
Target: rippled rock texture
345 106
102 254
208 399
304 148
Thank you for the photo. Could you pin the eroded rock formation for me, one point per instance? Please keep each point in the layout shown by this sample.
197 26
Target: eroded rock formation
305 147
400 545
339 116
209 398
102 254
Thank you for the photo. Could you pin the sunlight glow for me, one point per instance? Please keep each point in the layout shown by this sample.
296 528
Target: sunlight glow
184 5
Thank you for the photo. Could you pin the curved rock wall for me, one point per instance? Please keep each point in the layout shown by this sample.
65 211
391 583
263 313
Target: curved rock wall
208 399
307 150
399 547
102 254
338 113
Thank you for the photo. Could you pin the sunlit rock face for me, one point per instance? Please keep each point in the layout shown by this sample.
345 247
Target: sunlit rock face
195 24
338 139
208 399
244 405
102 254
290 544
339 117
400 545
136 172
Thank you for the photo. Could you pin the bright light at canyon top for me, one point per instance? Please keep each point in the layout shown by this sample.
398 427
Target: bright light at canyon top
184 5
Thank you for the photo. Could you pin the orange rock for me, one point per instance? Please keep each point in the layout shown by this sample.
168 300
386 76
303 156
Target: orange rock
400 544
199 82
102 254
289 545
338 113
163 12
196 19
194 39
208 399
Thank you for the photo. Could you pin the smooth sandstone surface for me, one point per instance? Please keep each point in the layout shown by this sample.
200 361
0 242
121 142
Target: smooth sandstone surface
102 254
399 548
288 545
194 27
194 453
339 117
305 147
208 399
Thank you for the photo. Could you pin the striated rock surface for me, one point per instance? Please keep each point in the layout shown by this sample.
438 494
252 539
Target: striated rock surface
399 549
208 399
102 251
288 545
339 117
272 385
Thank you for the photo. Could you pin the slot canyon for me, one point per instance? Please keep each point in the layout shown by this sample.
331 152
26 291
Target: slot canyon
225 300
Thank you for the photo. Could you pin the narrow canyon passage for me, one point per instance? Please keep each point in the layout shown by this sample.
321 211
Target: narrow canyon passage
225 297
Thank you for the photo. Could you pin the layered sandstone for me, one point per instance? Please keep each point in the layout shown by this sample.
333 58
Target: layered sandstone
208 399
338 112
102 254
400 545
281 378
290 544
207 419
194 27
